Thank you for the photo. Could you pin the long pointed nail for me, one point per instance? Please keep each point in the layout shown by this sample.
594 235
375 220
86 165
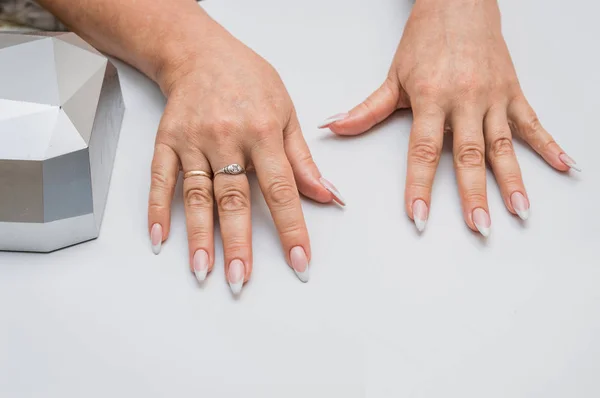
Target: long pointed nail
200 265
337 196
332 119
299 263
156 238
235 276
520 204
420 214
482 221
566 159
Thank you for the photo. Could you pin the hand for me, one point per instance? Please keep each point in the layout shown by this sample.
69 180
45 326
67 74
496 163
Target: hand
227 105
454 69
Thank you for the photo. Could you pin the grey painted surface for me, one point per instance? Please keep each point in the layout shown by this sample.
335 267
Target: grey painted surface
60 117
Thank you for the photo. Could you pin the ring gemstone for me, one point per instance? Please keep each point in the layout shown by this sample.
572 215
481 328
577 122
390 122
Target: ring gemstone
234 169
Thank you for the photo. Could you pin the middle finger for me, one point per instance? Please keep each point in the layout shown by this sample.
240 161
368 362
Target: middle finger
469 162
232 194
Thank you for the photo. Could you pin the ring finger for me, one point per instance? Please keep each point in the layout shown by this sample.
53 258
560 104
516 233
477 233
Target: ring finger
198 202
232 194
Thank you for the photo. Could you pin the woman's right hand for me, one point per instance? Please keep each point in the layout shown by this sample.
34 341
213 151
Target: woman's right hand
227 105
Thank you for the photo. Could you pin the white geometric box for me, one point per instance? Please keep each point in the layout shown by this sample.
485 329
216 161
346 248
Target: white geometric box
61 110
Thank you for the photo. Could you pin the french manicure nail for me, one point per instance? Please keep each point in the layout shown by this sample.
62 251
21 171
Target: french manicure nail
156 238
337 196
566 159
332 119
235 276
482 221
299 263
420 214
520 204
200 265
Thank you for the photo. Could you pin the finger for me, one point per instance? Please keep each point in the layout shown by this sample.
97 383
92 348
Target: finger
528 127
424 151
164 173
276 181
198 203
502 158
375 109
469 162
232 195
308 177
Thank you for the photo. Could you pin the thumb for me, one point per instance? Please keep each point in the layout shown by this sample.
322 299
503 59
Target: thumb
375 109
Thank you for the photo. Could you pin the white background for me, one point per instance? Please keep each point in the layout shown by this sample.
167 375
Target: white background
387 312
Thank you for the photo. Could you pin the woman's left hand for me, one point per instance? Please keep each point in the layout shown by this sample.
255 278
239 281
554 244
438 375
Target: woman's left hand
454 70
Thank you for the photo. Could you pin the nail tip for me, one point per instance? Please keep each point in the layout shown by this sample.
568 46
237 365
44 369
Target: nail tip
523 214
236 288
303 276
485 231
332 119
156 249
200 275
420 224
337 196
340 202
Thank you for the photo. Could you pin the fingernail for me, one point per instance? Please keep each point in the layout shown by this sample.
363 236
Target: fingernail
235 276
337 196
482 221
299 263
332 119
156 238
420 214
200 265
520 204
566 159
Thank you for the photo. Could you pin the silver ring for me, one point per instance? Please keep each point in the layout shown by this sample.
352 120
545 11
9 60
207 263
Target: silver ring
232 169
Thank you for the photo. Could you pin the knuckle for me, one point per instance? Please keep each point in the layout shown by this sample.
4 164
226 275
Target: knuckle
294 229
531 126
223 126
369 108
469 155
155 208
306 158
170 127
425 151
475 197
233 200
158 179
265 127
281 192
235 245
199 235
468 83
550 144
425 88
511 179
500 147
534 124
199 197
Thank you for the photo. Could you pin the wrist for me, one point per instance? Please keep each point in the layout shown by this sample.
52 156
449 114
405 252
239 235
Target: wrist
187 41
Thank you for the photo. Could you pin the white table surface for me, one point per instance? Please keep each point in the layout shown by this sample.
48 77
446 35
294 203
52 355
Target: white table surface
387 313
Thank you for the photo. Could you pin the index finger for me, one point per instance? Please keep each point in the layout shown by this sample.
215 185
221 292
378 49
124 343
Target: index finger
278 186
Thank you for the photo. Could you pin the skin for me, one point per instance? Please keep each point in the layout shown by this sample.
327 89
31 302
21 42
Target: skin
453 68
225 105
228 105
